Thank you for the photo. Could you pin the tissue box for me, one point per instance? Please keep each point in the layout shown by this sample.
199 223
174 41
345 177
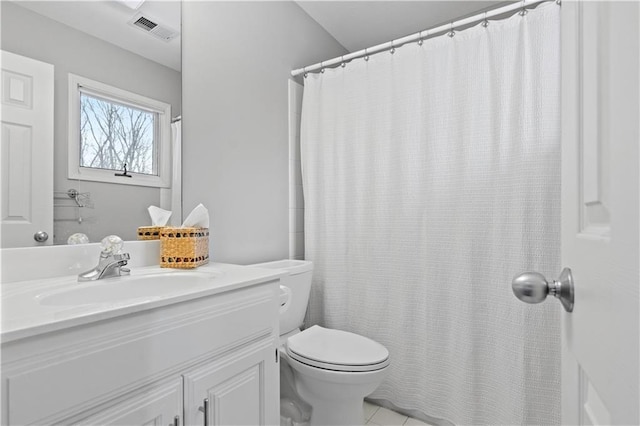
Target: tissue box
149 232
183 248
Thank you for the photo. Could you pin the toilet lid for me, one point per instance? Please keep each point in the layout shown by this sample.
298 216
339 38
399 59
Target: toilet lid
337 350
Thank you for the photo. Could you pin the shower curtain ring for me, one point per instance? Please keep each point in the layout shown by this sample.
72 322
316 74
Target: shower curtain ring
451 33
366 55
523 11
342 64
304 72
420 40
485 21
321 67
393 49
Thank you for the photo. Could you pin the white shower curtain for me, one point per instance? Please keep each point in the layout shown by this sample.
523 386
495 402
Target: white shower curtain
431 178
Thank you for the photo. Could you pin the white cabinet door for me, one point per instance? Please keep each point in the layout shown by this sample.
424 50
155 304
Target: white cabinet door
600 231
240 389
157 405
27 150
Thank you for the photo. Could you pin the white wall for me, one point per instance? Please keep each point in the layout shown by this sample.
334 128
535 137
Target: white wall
236 62
119 209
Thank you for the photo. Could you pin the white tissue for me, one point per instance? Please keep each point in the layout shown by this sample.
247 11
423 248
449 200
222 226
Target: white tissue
159 217
198 218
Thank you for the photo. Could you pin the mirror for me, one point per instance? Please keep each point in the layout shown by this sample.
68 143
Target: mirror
100 40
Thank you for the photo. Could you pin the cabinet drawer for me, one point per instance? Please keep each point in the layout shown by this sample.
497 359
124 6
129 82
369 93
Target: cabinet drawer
103 360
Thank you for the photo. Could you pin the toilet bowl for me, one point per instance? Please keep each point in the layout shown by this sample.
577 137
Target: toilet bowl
324 373
334 370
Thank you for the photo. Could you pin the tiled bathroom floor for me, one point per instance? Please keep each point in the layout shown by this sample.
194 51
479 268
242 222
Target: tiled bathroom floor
380 416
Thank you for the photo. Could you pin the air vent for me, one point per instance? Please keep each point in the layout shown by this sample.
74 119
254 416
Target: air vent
145 23
151 26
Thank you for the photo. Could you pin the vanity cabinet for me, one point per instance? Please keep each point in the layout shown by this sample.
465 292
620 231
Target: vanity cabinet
152 367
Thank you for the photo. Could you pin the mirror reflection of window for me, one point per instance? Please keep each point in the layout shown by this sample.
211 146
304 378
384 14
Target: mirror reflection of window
116 130
113 134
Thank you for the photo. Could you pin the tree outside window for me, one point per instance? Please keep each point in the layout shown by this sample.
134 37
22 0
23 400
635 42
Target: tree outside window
112 134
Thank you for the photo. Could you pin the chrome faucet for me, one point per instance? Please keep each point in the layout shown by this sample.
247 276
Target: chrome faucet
109 265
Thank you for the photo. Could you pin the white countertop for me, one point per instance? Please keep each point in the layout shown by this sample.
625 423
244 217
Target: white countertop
23 314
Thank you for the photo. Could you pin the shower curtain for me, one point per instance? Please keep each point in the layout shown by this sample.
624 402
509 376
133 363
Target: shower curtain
431 178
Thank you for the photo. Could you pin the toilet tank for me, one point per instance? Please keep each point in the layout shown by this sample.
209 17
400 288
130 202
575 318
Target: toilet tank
294 291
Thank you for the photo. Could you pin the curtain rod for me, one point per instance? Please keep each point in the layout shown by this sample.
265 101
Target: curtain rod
419 36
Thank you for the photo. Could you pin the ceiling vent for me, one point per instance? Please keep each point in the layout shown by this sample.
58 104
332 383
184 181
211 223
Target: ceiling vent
154 28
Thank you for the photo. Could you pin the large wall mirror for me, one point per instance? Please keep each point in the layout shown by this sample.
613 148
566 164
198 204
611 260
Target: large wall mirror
129 46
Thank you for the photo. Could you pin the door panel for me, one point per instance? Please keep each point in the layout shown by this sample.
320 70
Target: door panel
27 150
241 389
157 405
600 232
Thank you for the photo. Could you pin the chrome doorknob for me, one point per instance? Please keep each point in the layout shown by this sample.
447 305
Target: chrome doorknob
532 287
41 236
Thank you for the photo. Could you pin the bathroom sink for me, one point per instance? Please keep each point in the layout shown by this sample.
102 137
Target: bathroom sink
127 288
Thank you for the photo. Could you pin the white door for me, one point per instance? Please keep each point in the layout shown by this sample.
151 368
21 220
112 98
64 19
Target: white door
600 232
27 151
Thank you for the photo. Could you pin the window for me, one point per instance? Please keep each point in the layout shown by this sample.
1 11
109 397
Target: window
110 129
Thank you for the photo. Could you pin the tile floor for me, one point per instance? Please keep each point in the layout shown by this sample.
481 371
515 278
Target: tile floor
380 416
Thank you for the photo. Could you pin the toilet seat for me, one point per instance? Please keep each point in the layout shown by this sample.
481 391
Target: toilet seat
337 350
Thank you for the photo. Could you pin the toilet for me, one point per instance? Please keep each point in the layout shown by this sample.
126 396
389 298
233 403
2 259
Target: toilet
324 373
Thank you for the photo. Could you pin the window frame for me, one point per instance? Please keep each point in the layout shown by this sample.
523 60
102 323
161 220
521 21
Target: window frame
111 93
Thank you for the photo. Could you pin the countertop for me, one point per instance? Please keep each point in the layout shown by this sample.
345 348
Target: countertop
24 315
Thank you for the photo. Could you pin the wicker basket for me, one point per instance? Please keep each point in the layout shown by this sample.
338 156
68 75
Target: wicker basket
184 248
149 232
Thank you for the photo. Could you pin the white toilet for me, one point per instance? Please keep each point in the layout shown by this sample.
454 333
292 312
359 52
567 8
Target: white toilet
324 374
